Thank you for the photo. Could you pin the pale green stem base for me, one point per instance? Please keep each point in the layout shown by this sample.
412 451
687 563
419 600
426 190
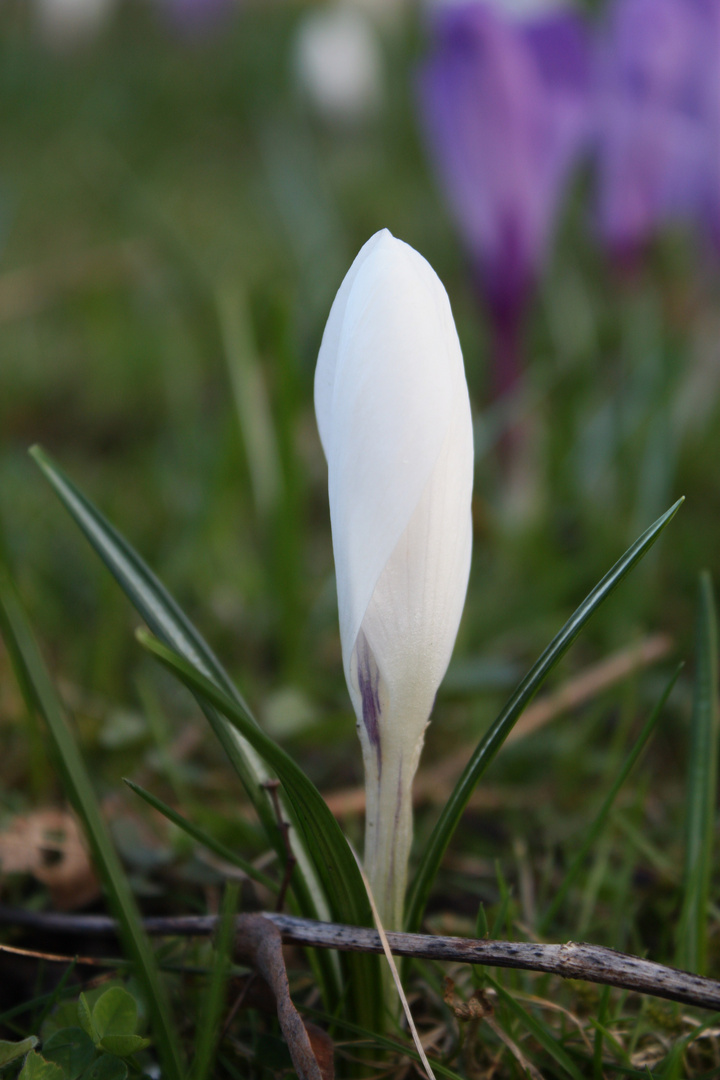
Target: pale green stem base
389 825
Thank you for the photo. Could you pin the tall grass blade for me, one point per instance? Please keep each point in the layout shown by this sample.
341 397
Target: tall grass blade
701 788
376 1040
324 839
599 1033
170 624
598 824
207 1031
251 402
41 697
491 742
540 1032
165 618
202 837
673 1064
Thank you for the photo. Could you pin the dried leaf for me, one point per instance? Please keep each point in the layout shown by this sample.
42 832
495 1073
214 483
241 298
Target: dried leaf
477 1007
259 943
49 845
323 1048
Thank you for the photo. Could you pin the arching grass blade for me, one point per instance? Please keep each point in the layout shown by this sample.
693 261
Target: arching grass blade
202 837
491 742
324 839
157 607
170 625
40 696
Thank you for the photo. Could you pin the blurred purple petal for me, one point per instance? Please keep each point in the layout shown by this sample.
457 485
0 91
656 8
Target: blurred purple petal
709 208
655 61
504 104
196 18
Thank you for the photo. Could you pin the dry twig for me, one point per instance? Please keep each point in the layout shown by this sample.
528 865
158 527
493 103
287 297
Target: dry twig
572 960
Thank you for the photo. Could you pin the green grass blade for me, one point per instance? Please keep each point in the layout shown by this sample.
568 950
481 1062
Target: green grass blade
599 1034
41 697
701 789
495 737
324 839
207 1031
169 623
538 1030
323 834
599 823
674 1063
202 837
383 1042
154 603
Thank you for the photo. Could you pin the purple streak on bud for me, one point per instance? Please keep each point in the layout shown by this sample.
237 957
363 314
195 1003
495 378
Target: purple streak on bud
368 682
504 103
654 100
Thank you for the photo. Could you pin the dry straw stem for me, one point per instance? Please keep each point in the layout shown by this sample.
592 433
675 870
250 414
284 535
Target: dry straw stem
433 785
571 960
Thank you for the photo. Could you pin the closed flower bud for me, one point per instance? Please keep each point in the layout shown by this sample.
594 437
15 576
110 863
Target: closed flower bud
394 419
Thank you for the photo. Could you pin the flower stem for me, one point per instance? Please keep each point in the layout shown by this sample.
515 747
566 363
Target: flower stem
388 831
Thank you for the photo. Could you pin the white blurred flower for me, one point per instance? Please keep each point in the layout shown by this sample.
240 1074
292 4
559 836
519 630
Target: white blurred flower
394 419
338 63
64 24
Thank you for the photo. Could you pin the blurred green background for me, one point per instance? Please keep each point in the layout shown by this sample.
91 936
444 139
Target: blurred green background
175 218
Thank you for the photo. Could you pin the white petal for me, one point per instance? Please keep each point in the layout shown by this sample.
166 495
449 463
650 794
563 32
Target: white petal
327 357
389 385
394 419
411 622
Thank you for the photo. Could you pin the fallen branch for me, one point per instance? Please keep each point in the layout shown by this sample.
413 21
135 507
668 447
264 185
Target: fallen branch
591 963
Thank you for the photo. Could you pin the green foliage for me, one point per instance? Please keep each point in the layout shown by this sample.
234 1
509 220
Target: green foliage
112 1021
166 207
592 834
101 1048
70 1048
522 696
165 618
538 1030
41 697
210 1019
36 1068
202 836
107 1067
701 788
334 861
11 1051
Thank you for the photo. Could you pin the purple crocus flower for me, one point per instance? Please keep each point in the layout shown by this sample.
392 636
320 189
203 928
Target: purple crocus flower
654 107
197 18
709 72
504 105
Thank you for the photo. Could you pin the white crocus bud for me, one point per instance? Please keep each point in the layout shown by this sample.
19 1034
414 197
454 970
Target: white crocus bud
394 419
